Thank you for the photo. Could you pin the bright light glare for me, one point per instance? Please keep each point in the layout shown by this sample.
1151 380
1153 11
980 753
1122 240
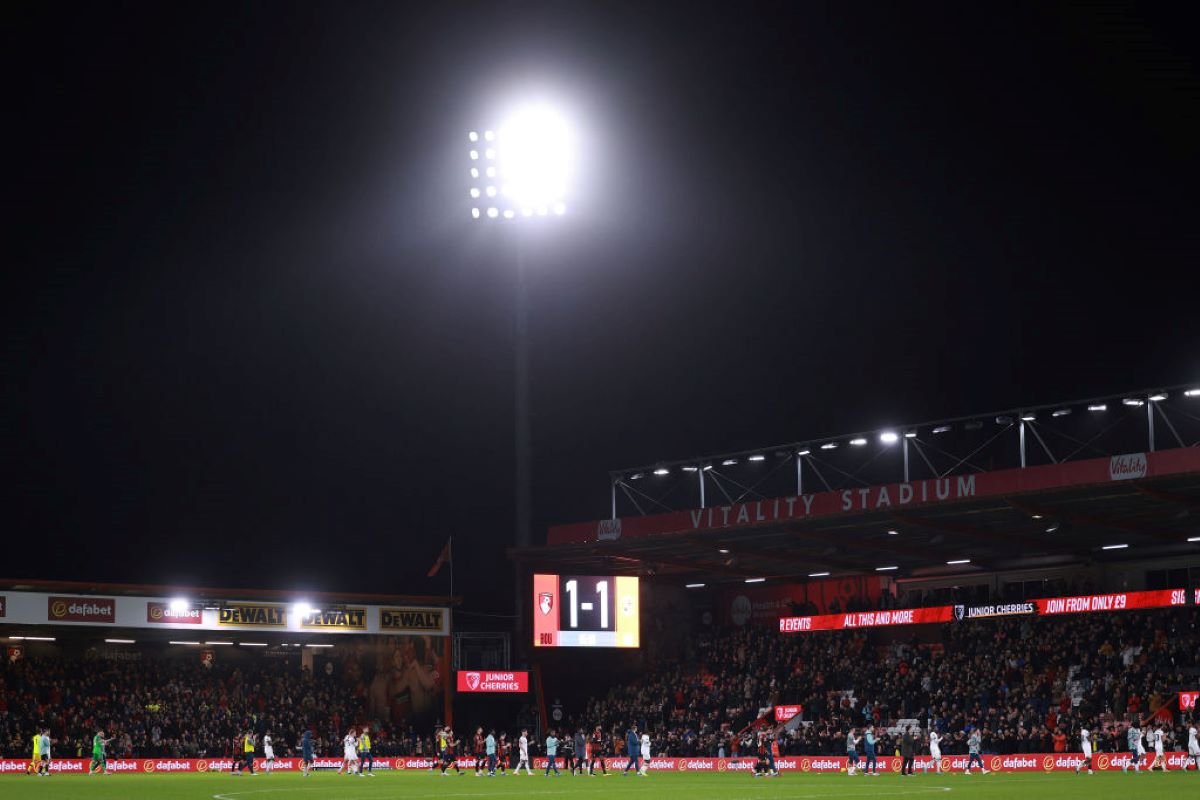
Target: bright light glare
474 172
662 471
829 446
755 580
473 136
474 155
493 213
1114 547
885 569
818 574
474 191
491 191
889 437
1192 393
489 135
1098 407
958 561
536 156
859 442
303 609
757 457
475 213
179 604
695 585
509 213
1158 398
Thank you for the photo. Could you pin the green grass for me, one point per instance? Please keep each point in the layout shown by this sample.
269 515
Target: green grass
663 786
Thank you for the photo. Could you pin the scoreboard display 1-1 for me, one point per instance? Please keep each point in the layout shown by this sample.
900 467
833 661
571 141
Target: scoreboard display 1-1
585 611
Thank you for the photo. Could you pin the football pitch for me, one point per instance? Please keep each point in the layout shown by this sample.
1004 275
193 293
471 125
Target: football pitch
663 786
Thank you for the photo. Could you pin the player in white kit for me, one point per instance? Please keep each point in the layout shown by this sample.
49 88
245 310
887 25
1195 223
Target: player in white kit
645 754
268 752
350 753
935 750
1193 747
1156 739
1085 742
523 754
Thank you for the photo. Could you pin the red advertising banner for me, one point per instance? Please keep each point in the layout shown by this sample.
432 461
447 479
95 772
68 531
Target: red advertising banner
763 605
1121 601
891 497
866 619
784 713
493 682
81 609
1187 701
1024 762
160 613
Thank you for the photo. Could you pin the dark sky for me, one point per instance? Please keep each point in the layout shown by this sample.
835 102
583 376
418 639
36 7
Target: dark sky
251 336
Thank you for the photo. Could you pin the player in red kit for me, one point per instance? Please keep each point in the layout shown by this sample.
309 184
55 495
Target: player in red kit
597 754
480 751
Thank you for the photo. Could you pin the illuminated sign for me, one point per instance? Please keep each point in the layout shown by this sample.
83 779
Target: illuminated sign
585 611
248 615
411 619
493 682
343 619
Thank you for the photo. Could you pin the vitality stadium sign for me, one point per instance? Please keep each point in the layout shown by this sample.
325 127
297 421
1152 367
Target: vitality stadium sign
889 497
256 616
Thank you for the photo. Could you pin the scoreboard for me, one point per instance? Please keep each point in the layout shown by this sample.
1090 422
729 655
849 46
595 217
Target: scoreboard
585 611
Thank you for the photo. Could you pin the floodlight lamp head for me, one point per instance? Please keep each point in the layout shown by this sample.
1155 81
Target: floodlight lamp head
535 154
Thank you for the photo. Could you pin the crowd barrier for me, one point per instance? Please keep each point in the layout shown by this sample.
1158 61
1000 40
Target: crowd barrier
1024 762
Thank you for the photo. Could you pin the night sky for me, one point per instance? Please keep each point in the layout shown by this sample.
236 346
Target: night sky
251 336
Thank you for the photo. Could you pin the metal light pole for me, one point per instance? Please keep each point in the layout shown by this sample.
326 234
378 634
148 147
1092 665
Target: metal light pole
519 173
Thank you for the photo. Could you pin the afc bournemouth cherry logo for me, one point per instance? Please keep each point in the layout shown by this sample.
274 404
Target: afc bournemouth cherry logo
472 680
545 603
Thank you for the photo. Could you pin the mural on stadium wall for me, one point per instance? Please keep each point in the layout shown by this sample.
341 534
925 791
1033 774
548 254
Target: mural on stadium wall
401 678
764 605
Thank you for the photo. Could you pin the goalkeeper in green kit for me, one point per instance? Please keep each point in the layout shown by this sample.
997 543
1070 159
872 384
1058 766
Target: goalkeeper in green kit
99 762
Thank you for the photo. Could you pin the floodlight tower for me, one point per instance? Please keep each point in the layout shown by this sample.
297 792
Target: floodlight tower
520 174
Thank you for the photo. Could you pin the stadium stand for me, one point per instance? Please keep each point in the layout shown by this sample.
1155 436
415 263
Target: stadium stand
1028 683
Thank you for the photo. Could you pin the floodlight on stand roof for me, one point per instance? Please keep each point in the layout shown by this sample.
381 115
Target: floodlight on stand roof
493 212
662 471
942 429
958 561
536 155
1098 407
803 452
474 191
1028 416
829 446
729 462
694 585
757 457
858 441
886 569
1114 547
1133 401
1062 412
1194 538
754 580
1158 397
473 136
889 437
910 434
818 574
707 467
690 469
1192 393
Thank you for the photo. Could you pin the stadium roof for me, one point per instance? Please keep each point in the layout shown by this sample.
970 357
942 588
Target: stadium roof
1067 483
216 596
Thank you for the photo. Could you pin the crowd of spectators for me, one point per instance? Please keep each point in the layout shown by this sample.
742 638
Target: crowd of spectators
158 707
1028 683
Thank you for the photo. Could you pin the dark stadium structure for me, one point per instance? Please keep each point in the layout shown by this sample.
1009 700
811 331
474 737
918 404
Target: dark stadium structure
1103 482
